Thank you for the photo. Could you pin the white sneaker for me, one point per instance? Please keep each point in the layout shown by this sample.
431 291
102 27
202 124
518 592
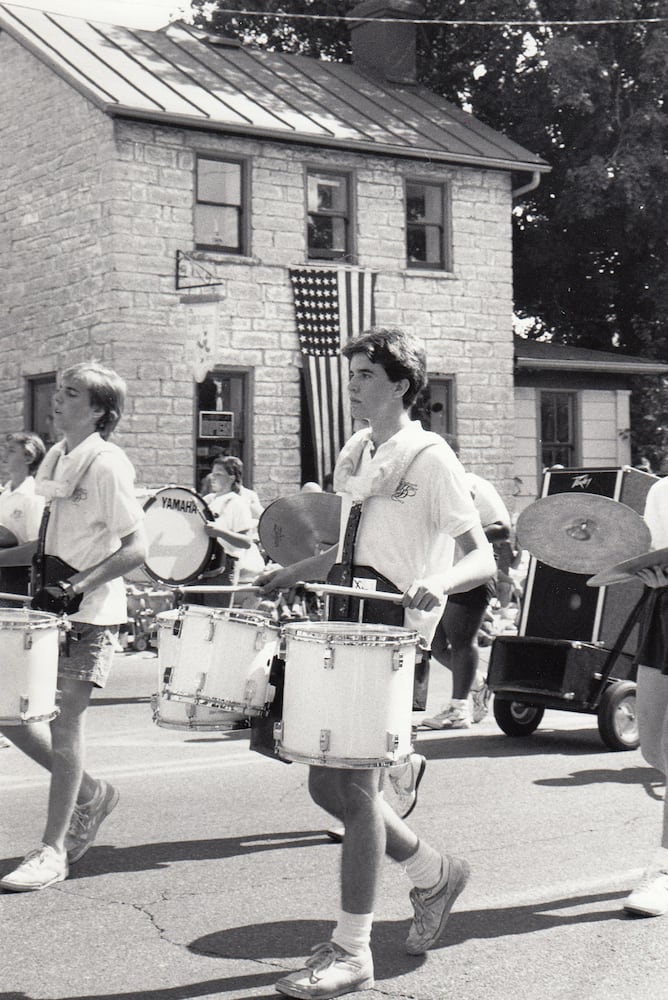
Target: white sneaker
329 972
402 783
39 869
480 698
432 906
86 820
650 896
450 717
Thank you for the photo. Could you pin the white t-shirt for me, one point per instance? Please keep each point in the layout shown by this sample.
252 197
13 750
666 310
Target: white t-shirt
87 526
21 510
656 513
234 514
409 535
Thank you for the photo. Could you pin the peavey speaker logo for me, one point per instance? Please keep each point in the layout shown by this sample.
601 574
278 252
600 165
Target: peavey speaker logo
581 482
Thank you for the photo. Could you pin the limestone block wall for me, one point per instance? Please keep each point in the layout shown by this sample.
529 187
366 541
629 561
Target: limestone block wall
99 208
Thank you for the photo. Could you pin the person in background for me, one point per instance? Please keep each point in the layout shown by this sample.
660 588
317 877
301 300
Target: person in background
650 896
455 642
232 529
20 507
94 536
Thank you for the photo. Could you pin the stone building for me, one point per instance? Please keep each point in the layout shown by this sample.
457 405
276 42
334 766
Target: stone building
158 189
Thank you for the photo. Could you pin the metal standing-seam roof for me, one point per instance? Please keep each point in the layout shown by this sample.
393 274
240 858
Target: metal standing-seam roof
180 75
547 356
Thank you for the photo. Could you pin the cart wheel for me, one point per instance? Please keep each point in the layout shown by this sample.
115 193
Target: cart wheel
140 643
517 719
618 718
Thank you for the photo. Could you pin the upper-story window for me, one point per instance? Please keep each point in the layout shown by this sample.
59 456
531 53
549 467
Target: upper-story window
328 206
426 225
219 205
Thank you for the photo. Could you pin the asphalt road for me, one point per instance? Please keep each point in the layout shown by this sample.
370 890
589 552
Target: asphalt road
214 875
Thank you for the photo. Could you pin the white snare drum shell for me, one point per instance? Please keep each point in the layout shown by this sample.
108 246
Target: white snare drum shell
29 671
348 694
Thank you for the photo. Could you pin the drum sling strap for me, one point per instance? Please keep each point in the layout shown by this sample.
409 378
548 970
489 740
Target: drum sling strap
48 570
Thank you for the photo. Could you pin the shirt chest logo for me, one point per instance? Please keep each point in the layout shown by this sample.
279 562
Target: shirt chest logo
404 490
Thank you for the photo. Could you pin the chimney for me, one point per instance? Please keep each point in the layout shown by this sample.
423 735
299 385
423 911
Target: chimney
382 49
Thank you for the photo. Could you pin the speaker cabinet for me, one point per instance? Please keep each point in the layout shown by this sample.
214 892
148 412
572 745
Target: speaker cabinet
560 605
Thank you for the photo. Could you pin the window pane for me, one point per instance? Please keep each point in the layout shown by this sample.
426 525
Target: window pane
217 226
557 421
424 203
328 193
219 182
327 234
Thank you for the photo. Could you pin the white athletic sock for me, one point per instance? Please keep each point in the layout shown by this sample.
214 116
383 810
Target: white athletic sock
459 702
353 932
425 866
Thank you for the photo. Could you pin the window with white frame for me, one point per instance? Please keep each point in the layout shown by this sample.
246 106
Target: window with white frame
427 209
328 209
220 197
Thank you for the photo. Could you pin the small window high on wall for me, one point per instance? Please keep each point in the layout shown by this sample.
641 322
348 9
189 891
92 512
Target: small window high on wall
558 423
435 406
220 194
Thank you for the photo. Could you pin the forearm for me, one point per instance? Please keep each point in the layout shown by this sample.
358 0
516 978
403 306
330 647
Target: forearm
132 553
313 568
7 537
18 555
231 537
472 570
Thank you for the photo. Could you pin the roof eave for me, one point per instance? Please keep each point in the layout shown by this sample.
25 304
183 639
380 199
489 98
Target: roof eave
381 149
607 367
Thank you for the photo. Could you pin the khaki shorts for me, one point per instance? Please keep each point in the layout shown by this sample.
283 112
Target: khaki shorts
90 654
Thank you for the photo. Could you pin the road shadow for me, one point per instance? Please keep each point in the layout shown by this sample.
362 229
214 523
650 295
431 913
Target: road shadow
651 780
442 746
105 860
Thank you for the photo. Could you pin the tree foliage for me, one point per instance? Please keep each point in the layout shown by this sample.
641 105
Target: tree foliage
590 243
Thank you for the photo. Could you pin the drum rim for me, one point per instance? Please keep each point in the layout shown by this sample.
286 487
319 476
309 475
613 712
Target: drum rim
43 620
326 633
244 615
180 581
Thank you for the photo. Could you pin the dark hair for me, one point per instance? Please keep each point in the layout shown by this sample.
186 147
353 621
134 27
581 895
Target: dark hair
233 467
401 355
106 391
33 448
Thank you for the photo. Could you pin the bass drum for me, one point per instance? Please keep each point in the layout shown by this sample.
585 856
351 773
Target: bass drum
179 549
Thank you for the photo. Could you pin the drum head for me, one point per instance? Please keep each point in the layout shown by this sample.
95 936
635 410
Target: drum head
178 547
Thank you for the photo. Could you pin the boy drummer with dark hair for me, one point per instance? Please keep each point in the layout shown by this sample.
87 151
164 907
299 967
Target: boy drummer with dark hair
94 529
407 492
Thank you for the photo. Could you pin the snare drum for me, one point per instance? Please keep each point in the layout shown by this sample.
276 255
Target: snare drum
179 549
29 670
171 714
348 694
215 657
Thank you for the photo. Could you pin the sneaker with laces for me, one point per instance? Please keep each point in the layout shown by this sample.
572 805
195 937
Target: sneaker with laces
329 972
402 783
650 896
39 869
432 906
450 717
480 697
86 821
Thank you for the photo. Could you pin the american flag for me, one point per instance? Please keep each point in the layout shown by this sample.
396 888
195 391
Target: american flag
331 307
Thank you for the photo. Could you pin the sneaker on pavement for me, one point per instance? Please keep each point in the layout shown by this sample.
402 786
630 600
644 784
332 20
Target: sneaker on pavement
451 717
480 698
432 906
86 821
39 869
4 743
400 788
329 972
650 897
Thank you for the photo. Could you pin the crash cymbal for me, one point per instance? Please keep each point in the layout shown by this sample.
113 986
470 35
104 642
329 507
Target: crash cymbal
299 526
581 533
625 571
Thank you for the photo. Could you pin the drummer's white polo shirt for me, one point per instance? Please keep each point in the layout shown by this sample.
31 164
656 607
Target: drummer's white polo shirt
21 510
656 513
87 526
410 535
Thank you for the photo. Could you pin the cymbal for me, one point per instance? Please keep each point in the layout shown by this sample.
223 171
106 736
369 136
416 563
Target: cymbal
581 533
625 571
299 526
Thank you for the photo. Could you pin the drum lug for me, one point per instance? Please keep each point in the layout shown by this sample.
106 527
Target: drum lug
249 692
201 681
167 676
212 629
278 732
24 705
260 639
397 659
392 741
191 709
324 739
178 626
27 639
328 658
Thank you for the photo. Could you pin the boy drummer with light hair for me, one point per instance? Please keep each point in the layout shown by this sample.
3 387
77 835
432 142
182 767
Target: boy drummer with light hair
92 533
410 492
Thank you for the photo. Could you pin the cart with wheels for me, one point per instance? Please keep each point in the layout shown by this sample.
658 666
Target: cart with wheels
564 663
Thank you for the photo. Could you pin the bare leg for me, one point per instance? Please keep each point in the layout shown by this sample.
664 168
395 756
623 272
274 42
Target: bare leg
652 702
